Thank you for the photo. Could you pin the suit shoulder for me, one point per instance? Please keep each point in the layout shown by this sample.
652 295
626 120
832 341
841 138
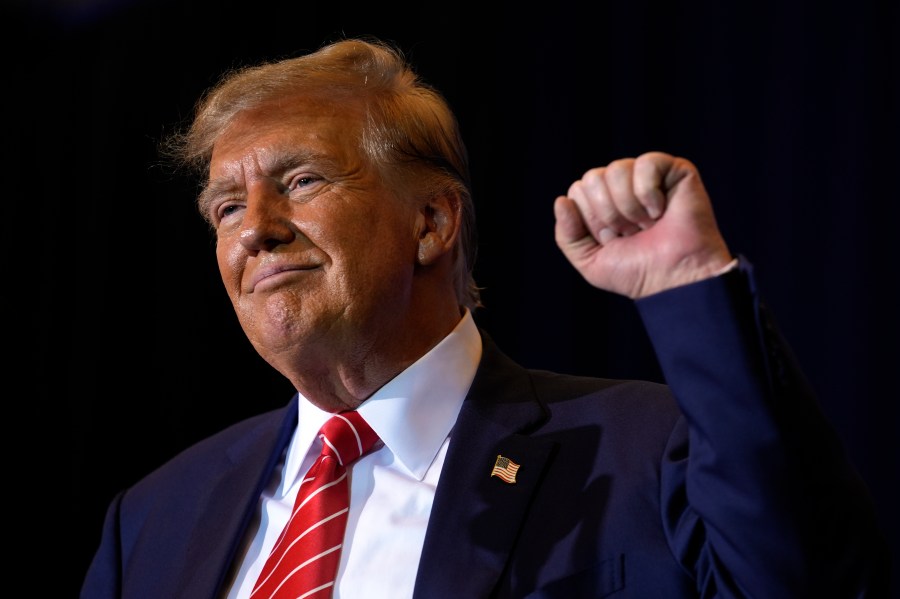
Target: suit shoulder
253 436
623 400
556 386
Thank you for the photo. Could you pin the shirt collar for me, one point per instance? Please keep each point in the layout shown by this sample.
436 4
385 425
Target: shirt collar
413 413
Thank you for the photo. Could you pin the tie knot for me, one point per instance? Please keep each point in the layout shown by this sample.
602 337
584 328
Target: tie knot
347 436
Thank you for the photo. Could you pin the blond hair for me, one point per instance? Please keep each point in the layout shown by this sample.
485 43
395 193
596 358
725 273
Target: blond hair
410 133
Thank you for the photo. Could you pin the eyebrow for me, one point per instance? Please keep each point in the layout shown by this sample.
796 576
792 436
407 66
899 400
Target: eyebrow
279 163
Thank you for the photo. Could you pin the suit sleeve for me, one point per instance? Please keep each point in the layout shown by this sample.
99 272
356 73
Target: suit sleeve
103 578
759 499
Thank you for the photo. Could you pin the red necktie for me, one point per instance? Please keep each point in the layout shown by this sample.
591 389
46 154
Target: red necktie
305 558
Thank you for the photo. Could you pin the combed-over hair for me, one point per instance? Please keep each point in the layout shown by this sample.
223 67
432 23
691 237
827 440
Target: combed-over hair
410 133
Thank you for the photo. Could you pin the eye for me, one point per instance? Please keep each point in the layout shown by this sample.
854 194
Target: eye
225 210
300 182
228 209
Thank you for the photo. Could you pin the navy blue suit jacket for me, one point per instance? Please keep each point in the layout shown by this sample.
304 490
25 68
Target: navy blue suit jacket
725 482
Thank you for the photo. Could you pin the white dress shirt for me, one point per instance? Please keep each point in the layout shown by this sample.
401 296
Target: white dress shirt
391 489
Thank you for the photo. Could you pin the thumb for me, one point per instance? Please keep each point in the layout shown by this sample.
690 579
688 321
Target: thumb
570 231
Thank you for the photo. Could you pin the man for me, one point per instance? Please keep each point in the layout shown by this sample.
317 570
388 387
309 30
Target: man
337 185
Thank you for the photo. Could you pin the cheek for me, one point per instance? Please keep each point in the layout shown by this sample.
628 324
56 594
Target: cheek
231 265
383 267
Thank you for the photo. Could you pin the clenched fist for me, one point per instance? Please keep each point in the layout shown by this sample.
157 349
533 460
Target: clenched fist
641 225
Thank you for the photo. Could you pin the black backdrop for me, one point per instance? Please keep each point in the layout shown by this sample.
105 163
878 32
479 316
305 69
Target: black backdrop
123 347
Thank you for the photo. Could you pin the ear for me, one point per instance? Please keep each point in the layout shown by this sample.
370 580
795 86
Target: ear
438 225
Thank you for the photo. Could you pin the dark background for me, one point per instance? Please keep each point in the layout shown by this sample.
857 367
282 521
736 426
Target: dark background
124 349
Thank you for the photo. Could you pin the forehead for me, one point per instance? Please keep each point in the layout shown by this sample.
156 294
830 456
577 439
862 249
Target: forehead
302 125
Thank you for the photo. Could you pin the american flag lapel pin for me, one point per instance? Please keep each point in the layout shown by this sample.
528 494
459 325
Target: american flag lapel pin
505 469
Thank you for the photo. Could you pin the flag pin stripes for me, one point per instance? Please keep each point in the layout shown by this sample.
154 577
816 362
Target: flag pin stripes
505 469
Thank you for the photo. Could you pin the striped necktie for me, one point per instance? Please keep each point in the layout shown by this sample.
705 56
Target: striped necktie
305 558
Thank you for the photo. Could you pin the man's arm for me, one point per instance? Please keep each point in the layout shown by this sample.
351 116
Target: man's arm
762 501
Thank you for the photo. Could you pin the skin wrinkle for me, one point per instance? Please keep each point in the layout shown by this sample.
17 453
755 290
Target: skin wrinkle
380 260
337 251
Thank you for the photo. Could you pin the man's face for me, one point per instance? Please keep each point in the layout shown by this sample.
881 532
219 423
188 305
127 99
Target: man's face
316 254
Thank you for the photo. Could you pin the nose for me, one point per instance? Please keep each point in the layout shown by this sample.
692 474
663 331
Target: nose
266 222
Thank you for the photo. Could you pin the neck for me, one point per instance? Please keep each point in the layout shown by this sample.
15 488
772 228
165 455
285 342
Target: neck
341 378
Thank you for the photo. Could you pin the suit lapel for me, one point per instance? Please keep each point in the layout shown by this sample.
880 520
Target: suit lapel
472 509
232 502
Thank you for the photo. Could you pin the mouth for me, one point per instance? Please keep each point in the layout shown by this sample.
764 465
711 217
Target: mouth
275 275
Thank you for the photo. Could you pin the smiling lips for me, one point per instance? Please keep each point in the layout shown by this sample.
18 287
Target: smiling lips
271 275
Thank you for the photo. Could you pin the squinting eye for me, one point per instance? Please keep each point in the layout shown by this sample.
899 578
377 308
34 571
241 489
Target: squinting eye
299 182
226 210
